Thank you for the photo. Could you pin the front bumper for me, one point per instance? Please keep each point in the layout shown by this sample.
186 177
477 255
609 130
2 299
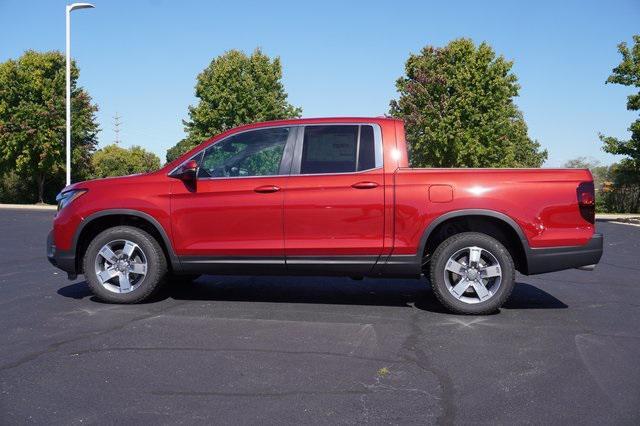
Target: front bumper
553 259
61 259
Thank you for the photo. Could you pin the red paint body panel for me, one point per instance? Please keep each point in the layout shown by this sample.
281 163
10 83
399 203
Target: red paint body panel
541 201
324 214
226 217
147 193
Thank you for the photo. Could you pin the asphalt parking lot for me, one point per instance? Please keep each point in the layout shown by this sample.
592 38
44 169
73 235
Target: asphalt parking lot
274 350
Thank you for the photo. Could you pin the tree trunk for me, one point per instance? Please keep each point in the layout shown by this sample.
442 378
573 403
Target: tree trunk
40 182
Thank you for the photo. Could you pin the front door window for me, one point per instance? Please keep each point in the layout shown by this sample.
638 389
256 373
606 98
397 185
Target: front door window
248 154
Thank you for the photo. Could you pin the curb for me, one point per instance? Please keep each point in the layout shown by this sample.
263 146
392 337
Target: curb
622 218
612 216
44 207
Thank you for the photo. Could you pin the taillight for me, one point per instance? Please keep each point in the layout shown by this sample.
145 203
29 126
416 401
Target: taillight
587 201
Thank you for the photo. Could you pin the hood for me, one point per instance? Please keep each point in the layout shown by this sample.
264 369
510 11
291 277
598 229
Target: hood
93 183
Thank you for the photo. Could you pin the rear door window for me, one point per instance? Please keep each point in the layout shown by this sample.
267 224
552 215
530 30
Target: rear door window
338 149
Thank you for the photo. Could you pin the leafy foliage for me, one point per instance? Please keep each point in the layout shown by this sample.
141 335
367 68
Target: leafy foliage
265 162
627 73
32 122
602 176
260 163
622 194
625 191
16 190
616 185
113 160
457 104
235 89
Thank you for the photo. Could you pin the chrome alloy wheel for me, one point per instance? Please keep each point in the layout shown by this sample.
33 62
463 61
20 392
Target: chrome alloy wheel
473 275
121 266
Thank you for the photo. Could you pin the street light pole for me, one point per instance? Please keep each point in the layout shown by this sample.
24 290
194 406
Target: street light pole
69 8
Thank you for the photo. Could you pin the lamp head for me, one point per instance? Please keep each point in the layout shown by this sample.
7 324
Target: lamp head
75 6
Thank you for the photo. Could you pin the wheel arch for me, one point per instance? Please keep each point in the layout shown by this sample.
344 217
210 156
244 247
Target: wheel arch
490 222
104 219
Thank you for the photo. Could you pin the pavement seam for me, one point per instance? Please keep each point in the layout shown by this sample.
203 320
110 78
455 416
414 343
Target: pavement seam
420 359
249 350
53 347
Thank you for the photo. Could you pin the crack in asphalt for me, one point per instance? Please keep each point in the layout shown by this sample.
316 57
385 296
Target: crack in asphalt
262 394
53 347
239 350
380 387
420 358
365 390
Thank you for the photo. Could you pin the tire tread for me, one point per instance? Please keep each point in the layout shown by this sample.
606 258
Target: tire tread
509 274
156 256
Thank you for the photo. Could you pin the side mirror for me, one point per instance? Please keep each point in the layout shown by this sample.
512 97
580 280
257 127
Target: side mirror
188 172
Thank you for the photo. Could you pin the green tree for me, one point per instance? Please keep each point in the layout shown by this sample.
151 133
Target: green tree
458 108
15 189
627 73
235 89
113 160
602 178
623 193
32 122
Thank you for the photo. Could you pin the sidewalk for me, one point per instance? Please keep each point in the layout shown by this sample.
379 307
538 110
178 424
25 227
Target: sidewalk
613 216
28 207
628 218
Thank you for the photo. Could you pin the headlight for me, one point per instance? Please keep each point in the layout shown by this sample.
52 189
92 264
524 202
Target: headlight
65 198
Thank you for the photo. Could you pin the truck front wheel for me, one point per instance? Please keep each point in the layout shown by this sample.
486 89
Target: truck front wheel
472 273
124 265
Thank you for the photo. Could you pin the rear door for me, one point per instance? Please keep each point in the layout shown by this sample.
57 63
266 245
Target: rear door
334 200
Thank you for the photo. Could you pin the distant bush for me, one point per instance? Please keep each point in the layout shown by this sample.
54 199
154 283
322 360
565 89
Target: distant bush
15 190
622 193
113 160
617 186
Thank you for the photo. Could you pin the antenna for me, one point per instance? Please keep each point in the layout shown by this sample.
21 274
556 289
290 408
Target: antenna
116 128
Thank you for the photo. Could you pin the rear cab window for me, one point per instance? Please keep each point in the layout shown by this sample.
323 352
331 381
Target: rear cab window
330 149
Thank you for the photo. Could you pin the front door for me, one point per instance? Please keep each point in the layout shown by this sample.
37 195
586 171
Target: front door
232 220
334 200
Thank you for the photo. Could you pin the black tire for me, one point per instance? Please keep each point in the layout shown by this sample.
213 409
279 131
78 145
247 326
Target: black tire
454 245
156 265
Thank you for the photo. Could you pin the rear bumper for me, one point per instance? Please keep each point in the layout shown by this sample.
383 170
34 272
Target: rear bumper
544 260
61 259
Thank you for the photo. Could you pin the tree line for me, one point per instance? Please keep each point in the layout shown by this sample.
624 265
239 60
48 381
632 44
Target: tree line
618 185
32 132
457 102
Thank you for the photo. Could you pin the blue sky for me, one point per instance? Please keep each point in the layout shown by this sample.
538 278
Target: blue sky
140 58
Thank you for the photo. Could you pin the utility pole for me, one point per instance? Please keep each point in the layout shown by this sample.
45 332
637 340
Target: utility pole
116 128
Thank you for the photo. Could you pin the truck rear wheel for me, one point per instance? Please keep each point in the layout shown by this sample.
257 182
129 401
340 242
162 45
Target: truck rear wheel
472 273
124 265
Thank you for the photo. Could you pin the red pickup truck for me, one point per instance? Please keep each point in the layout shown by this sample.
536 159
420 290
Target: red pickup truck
329 196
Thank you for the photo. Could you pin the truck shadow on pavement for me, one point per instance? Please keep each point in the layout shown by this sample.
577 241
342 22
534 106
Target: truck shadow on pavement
321 290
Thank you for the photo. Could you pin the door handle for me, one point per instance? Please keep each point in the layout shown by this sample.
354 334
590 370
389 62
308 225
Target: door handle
265 189
364 185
